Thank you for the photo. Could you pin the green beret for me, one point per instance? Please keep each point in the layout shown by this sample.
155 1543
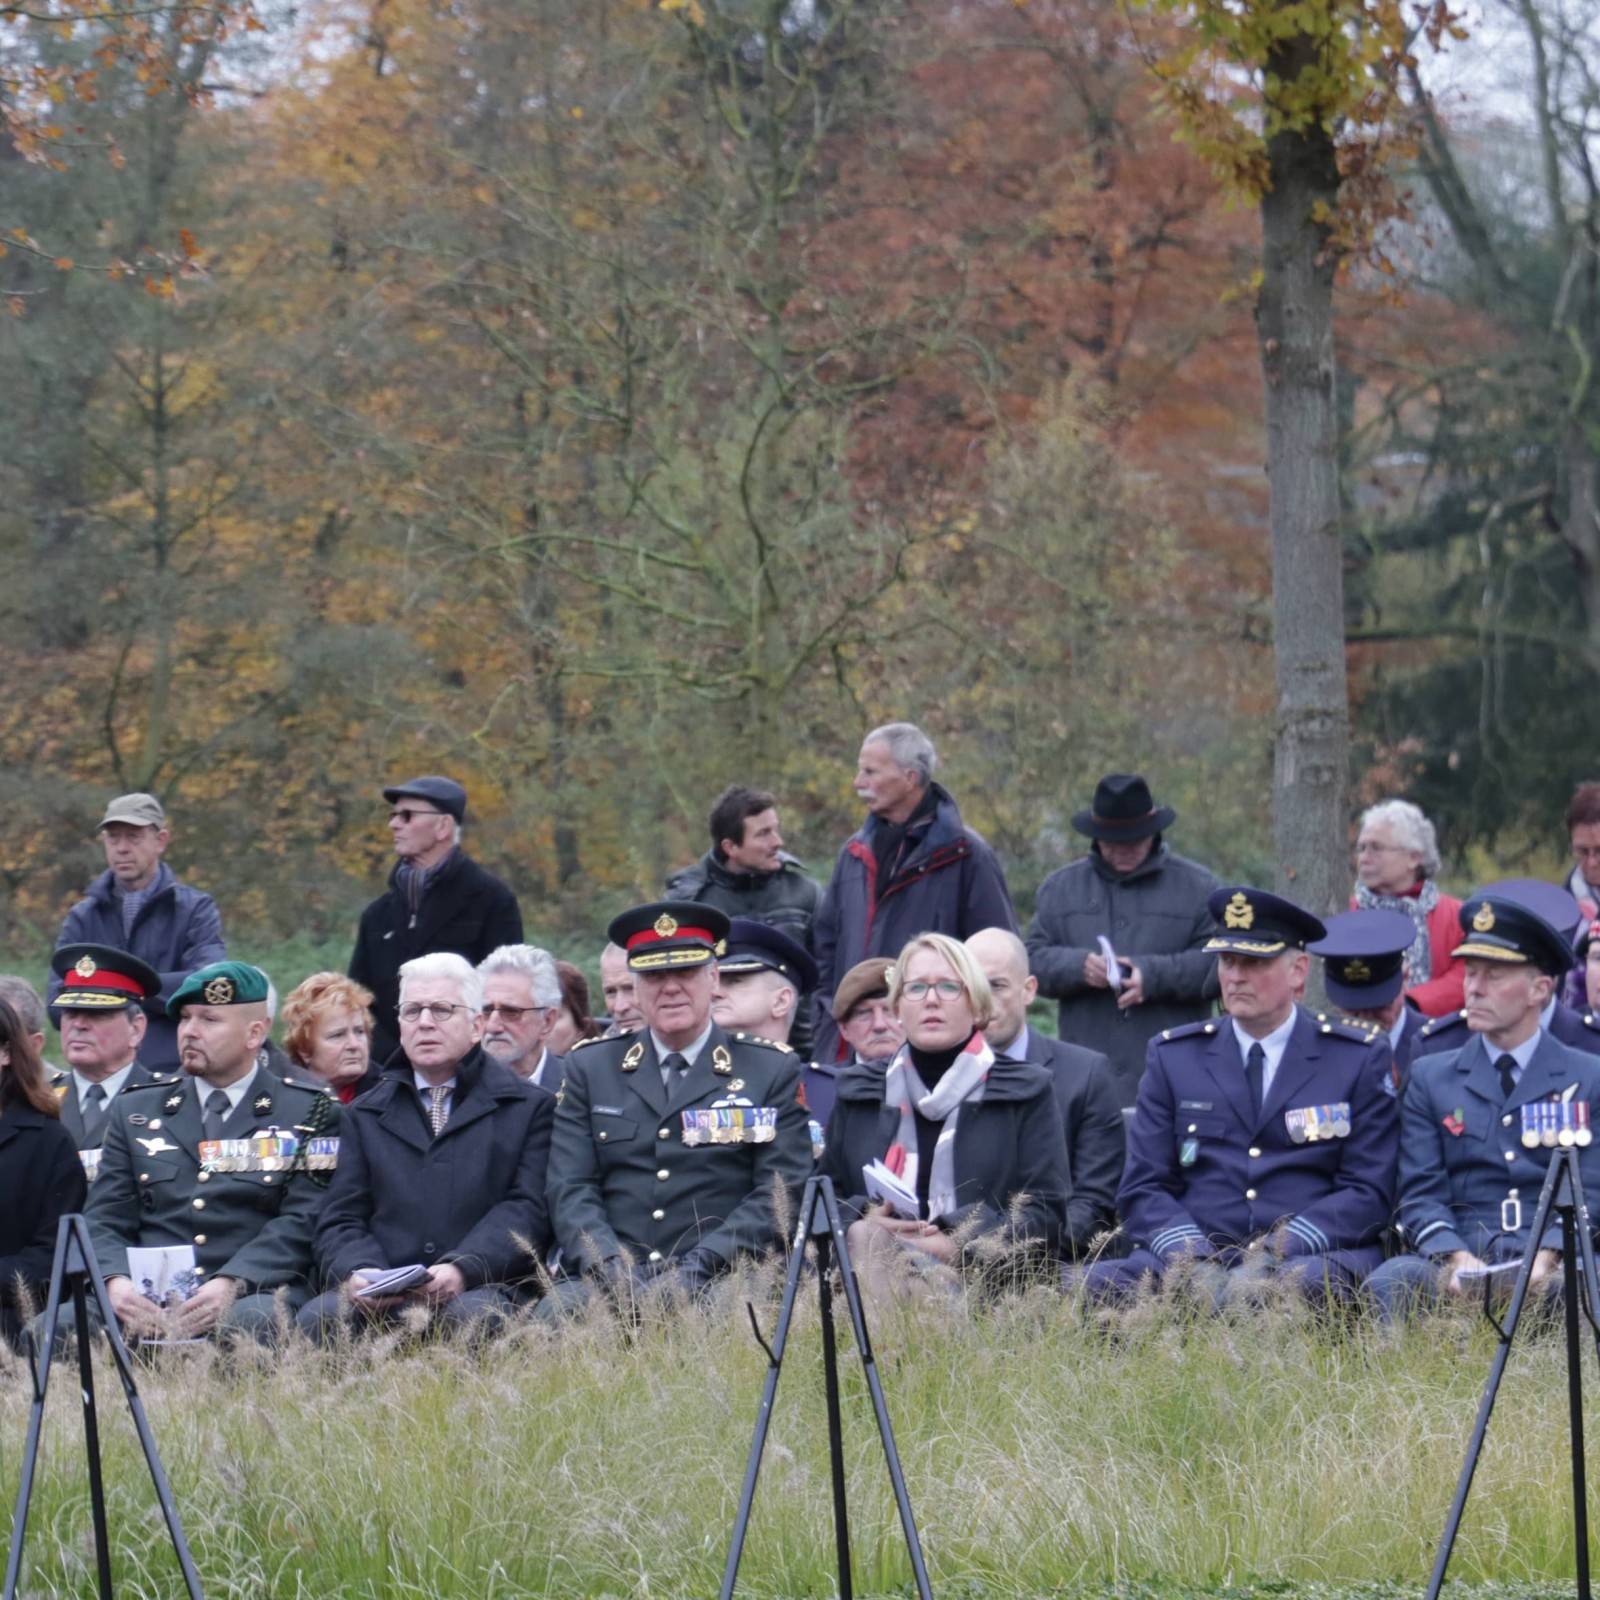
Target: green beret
223 983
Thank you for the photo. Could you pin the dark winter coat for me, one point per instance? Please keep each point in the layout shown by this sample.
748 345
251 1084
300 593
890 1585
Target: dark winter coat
1154 916
178 929
465 909
41 1180
946 879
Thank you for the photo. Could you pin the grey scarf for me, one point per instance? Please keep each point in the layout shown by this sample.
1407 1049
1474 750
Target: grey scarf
1418 961
962 1085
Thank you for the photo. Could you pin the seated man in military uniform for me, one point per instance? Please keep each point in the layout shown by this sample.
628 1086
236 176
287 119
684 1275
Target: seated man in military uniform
668 1141
1478 1124
100 1015
1558 909
1263 1144
220 1159
1363 961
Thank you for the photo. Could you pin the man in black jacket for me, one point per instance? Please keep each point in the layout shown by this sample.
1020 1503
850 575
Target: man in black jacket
441 1168
438 898
1086 1093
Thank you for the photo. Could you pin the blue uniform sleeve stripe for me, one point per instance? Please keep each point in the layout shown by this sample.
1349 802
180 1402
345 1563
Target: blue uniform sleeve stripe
1304 1229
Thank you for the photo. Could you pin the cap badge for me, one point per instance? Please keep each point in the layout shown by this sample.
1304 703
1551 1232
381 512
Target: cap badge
1483 918
721 1061
630 1062
721 949
219 992
1357 971
666 926
86 967
1239 913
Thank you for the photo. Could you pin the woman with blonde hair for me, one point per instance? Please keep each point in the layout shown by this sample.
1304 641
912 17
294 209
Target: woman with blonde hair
327 1034
975 1142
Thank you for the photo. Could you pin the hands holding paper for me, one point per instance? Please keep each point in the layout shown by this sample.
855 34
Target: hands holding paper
1106 970
383 1288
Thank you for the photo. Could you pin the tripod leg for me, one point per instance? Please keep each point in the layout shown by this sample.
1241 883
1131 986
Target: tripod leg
858 1323
830 1378
1580 1492
91 1436
780 1339
41 1385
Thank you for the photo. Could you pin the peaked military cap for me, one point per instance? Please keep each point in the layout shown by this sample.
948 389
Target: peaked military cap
670 933
99 977
443 793
223 983
1498 928
1556 905
1363 956
755 947
1255 922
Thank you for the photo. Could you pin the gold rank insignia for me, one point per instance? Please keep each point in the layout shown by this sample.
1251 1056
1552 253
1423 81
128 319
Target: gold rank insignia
736 1086
720 949
1239 913
721 1061
219 992
262 1102
1483 918
666 926
630 1062
86 967
173 1102
1357 971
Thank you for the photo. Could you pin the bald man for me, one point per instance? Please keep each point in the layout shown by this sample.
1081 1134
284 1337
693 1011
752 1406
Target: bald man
1085 1088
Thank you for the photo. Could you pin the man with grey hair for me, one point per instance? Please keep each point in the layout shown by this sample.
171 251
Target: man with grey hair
1397 857
912 867
441 1170
24 999
521 1001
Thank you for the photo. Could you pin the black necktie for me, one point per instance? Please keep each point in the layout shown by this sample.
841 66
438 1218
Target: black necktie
94 1114
1255 1068
672 1064
1506 1066
216 1114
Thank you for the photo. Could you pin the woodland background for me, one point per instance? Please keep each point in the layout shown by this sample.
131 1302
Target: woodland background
603 402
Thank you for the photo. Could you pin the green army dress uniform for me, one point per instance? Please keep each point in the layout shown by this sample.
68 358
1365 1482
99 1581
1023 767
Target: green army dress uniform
649 1168
252 1226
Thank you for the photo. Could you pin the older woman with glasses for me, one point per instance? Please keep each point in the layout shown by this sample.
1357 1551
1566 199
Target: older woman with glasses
975 1143
1397 855
327 1025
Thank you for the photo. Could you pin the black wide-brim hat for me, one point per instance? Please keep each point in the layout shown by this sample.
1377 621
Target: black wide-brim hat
1123 811
668 934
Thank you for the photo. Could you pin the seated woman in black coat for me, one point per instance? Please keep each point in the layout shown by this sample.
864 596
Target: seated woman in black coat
978 1141
41 1177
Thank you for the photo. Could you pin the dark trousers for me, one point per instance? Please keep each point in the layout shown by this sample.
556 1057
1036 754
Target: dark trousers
1232 1276
478 1313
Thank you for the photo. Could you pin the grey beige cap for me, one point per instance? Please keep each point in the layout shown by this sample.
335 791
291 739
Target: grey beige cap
139 810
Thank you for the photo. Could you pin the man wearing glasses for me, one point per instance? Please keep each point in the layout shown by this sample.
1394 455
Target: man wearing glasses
438 898
521 1001
441 1169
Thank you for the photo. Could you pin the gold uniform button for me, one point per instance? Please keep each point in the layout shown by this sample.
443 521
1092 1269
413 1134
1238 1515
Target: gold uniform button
662 1175
1255 1154
1511 1155
1249 1194
199 1204
199 1238
1505 1122
655 1255
268 1178
1193 1128
602 1136
203 1177
658 1215
144 1177
199 1272
666 1133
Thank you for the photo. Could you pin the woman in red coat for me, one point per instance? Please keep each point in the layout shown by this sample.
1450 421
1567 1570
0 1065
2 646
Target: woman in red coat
1397 854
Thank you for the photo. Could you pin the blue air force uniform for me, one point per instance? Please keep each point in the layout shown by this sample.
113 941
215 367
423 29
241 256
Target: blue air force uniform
1462 1150
1310 1173
1363 958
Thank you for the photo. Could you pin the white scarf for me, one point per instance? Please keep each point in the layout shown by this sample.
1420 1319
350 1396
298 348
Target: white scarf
962 1084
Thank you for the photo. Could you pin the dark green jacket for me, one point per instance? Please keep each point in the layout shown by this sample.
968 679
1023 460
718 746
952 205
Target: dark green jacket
621 1177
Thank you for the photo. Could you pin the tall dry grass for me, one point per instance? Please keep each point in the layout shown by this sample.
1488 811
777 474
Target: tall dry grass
1044 1453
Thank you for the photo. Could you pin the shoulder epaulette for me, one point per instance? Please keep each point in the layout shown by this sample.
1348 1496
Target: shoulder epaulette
1187 1030
1346 1028
583 1044
771 1044
1434 1024
311 1085
155 1083
1591 1021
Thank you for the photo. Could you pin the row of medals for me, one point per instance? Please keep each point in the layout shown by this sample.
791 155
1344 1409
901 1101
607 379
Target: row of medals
1555 1122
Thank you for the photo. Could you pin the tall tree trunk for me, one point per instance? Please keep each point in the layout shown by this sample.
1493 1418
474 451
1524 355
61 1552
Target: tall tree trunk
1295 329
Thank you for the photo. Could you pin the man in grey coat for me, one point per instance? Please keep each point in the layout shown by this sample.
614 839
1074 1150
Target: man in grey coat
1150 905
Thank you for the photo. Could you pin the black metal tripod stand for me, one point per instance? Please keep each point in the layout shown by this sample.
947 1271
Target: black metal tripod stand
828 1232
76 1272
1562 1194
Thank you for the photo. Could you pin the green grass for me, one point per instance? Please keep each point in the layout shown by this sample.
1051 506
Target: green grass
1168 1457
